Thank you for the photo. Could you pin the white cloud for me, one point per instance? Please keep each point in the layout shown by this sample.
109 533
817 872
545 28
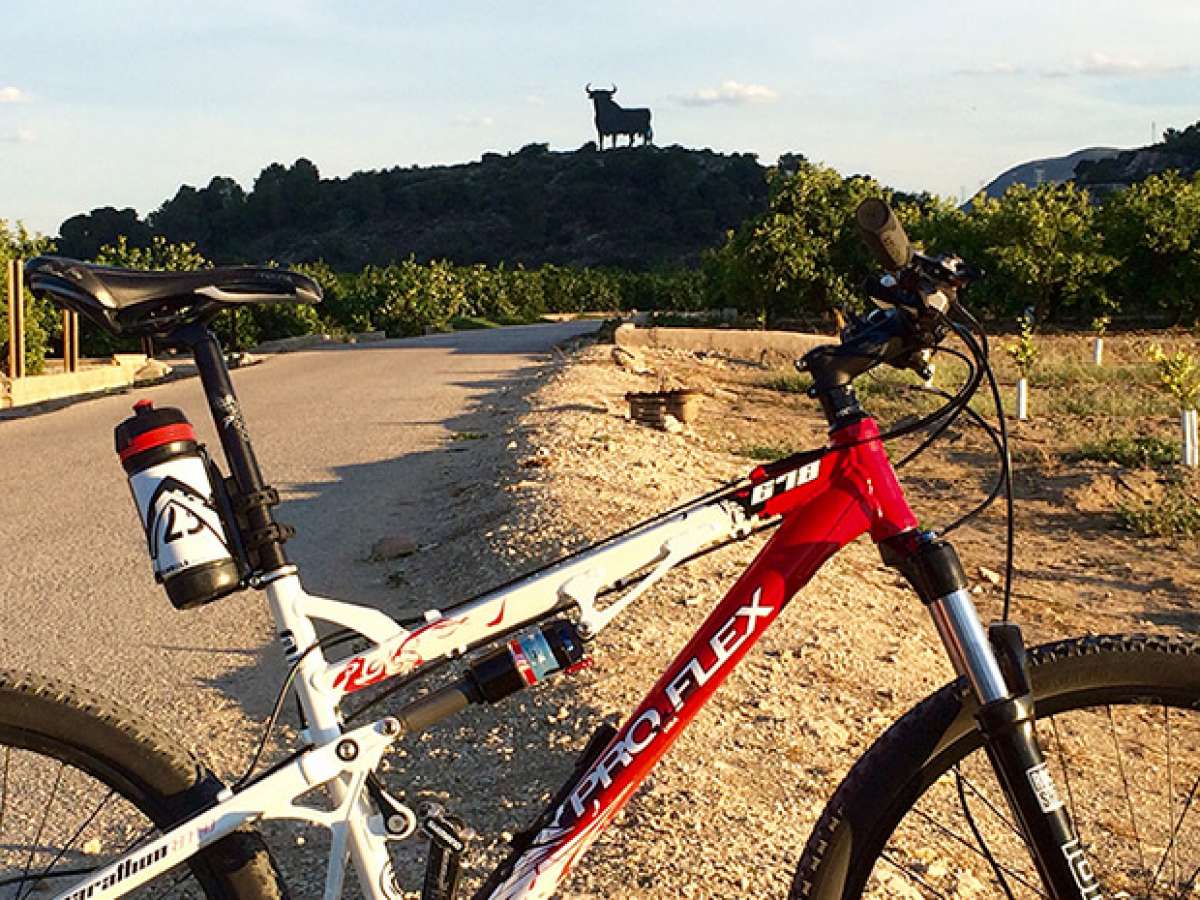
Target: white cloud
730 93
1097 63
1094 64
20 136
996 68
10 94
474 121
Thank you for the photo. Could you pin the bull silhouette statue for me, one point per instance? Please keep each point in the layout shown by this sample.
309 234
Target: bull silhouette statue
613 120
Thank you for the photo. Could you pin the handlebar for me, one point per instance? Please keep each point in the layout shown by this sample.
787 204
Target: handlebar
918 291
883 234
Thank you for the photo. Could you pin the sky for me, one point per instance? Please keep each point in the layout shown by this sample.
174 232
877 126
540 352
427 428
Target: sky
120 102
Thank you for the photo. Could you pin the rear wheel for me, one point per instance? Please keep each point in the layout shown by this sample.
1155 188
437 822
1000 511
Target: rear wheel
83 781
922 815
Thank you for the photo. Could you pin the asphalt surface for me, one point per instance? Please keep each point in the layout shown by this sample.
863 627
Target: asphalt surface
354 437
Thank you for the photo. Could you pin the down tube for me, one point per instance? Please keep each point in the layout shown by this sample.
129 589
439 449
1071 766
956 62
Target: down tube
805 540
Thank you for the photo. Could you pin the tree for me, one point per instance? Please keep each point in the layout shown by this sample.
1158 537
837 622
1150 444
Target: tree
161 255
82 236
1044 241
803 255
1153 228
42 322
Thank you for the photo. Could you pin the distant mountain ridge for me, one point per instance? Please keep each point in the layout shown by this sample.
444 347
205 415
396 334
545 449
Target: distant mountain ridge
1103 170
1052 170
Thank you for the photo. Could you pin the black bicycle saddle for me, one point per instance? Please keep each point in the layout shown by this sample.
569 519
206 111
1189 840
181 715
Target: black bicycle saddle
135 302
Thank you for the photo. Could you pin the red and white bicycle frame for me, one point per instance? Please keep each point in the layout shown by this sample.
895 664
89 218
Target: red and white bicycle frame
826 499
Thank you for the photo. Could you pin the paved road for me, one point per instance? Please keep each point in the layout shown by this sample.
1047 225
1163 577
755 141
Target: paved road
351 436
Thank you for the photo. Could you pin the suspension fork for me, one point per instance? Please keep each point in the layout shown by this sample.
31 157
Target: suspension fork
1006 709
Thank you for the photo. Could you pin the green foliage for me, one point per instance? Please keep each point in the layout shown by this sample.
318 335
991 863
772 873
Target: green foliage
765 453
642 209
1024 350
1153 228
802 257
1132 451
42 320
1100 324
788 384
1179 374
159 254
1174 514
1178 150
1046 247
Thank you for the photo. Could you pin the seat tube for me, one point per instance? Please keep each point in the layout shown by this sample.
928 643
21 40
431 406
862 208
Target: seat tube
1005 715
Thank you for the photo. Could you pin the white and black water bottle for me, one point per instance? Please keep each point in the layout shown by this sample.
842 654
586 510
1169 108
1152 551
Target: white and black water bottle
179 506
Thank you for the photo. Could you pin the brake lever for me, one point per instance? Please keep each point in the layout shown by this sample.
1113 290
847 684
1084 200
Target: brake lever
887 289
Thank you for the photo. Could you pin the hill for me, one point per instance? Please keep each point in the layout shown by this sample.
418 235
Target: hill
1052 170
637 208
1178 150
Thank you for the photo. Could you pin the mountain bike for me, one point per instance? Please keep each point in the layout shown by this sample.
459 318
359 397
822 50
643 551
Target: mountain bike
1068 770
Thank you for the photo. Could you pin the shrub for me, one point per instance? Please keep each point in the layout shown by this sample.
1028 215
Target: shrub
765 453
1179 374
1175 514
41 317
1132 451
788 384
1024 350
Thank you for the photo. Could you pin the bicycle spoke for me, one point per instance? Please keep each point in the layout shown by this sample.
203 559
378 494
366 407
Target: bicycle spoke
78 831
1129 798
1170 793
990 805
1175 829
938 826
1186 887
983 847
1062 764
3 788
1075 818
62 768
911 873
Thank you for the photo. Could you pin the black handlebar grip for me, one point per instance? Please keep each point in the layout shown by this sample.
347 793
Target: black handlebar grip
883 234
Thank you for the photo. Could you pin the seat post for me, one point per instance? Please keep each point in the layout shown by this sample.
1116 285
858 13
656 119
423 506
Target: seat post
265 537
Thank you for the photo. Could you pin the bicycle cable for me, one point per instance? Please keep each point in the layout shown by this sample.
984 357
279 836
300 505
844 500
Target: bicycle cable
341 636
982 350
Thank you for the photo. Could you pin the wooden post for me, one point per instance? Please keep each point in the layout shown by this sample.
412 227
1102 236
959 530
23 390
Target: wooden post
16 321
70 341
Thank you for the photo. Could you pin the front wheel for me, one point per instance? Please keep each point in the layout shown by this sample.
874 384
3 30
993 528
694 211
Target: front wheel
83 782
921 814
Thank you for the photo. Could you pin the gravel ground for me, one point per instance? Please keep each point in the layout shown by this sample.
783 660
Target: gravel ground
727 812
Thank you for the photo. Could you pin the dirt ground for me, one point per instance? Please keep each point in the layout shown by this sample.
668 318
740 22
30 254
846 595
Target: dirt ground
727 812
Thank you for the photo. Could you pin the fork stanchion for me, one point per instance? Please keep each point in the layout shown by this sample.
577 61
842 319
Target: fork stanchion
16 321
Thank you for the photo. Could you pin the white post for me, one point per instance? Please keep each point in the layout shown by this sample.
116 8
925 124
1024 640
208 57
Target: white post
1098 351
1022 400
1191 447
1192 419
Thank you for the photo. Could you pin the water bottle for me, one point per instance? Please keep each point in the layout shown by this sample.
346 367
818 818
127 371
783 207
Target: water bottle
179 497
